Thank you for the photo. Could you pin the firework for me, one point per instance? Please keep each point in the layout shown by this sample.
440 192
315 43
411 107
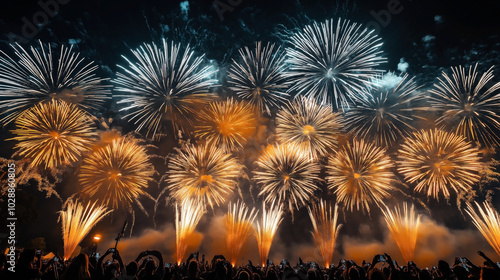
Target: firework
383 114
227 124
360 175
187 217
202 173
260 77
403 225
438 161
163 87
271 220
36 75
469 105
239 222
310 126
333 62
53 134
117 173
326 229
488 223
286 173
77 220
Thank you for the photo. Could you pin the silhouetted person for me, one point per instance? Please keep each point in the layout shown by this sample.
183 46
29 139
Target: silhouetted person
78 269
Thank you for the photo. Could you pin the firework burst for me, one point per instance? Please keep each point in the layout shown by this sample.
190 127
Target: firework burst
286 173
403 225
53 134
439 161
259 78
227 124
468 105
383 114
164 86
117 173
36 75
265 231
326 230
488 223
77 220
333 62
310 126
202 173
239 222
187 216
360 174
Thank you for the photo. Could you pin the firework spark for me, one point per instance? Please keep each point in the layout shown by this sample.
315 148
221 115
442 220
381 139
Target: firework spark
310 126
202 173
326 230
36 75
286 173
164 87
53 134
239 222
488 223
260 77
403 225
468 105
187 216
117 173
333 62
227 124
360 174
265 231
383 114
77 220
439 161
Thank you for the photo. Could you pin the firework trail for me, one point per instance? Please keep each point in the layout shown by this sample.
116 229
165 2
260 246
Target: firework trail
360 174
286 173
468 105
77 220
187 216
202 173
439 161
386 110
117 174
333 62
403 225
265 231
239 222
164 87
36 75
488 223
326 230
227 124
312 127
259 77
53 134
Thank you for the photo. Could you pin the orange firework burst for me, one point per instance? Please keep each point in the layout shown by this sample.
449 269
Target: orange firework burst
117 173
326 230
488 223
287 174
403 225
239 222
77 220
53 133
439 161
360 174
227 124
311 126
271 220
186 219
203 173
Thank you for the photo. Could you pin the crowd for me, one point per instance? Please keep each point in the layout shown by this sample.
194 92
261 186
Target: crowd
150 265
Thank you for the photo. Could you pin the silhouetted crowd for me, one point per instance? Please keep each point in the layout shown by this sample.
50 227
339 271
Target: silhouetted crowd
150 265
